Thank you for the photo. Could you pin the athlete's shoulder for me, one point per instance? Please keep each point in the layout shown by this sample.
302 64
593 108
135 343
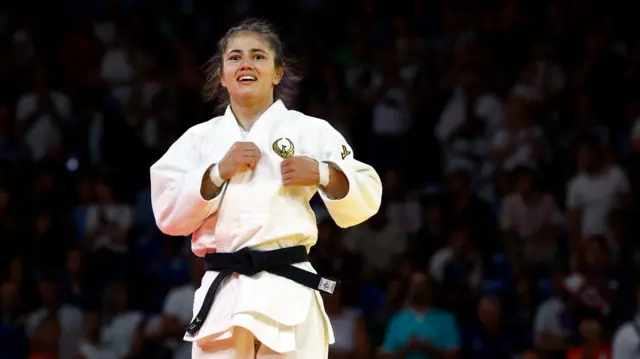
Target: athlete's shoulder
308 122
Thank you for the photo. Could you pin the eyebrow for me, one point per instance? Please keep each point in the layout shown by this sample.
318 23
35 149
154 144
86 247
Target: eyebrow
251 50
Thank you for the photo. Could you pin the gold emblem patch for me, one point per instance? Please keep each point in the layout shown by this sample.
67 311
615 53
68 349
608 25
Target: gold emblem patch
282 149
345 152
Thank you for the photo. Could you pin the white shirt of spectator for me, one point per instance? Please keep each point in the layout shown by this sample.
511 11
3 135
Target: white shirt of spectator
179 303
391 120
119 334
595 196
43 134
118 214
454 114
344 327
525 220
626 341
117 71
91 351
456 150
547 320
71 322
521 142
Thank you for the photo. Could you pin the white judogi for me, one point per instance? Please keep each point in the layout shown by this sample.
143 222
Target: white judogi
255 210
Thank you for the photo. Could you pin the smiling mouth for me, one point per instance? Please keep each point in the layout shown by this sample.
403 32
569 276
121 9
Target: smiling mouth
247 78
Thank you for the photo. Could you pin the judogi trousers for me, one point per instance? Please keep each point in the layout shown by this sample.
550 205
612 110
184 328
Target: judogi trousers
311 341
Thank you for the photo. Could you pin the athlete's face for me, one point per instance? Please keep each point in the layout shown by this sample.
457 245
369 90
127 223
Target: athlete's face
248 69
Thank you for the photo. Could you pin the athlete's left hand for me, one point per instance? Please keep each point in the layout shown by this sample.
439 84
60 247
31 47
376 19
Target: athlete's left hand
300 171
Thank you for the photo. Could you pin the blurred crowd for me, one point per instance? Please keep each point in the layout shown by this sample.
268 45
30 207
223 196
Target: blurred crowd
506 132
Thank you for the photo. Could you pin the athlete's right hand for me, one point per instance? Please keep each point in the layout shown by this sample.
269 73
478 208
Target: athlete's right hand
241 156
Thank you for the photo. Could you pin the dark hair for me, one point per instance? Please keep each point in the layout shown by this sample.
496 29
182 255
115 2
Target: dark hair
284 91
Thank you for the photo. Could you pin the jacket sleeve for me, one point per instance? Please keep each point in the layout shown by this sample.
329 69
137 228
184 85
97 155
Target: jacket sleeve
178 206
365 188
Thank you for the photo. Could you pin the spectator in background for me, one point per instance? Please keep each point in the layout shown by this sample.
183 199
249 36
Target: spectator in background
457 268
520 142
594 282
90 346
529 220
121 332
584 124
626 339
593 344
42 114
377 240
431 235
349 329
597 189
391 120
46 340
61 321
402 210
177 311
118 65
86 133
463 206
78 290
108 221
421 330
550 330
13 342
491 339
468 121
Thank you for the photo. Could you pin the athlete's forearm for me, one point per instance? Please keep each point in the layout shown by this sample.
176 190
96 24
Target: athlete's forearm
338 186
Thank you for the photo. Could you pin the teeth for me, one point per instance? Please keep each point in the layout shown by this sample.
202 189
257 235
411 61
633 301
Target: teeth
250 78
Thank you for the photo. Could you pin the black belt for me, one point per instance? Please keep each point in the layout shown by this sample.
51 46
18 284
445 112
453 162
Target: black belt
250 262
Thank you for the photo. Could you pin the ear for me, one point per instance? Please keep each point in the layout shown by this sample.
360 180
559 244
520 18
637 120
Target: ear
278 75
221 77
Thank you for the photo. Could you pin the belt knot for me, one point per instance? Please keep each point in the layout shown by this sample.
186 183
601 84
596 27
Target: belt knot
253 262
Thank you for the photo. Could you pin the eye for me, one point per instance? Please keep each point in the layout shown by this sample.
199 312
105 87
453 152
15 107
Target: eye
234 57
258 57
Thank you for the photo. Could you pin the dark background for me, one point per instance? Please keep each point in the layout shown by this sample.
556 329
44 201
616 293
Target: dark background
92 92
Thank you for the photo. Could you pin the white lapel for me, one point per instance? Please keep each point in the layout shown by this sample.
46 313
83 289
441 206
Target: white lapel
261 127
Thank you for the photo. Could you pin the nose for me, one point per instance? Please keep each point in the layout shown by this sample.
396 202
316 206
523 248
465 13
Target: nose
246 63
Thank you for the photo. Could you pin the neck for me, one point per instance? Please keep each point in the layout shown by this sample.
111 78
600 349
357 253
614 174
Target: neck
247 112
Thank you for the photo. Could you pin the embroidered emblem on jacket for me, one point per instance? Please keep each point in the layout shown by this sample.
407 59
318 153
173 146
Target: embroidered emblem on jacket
345 152
281 148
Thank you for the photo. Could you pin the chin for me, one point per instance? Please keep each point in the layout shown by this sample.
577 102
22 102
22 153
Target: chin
247 94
